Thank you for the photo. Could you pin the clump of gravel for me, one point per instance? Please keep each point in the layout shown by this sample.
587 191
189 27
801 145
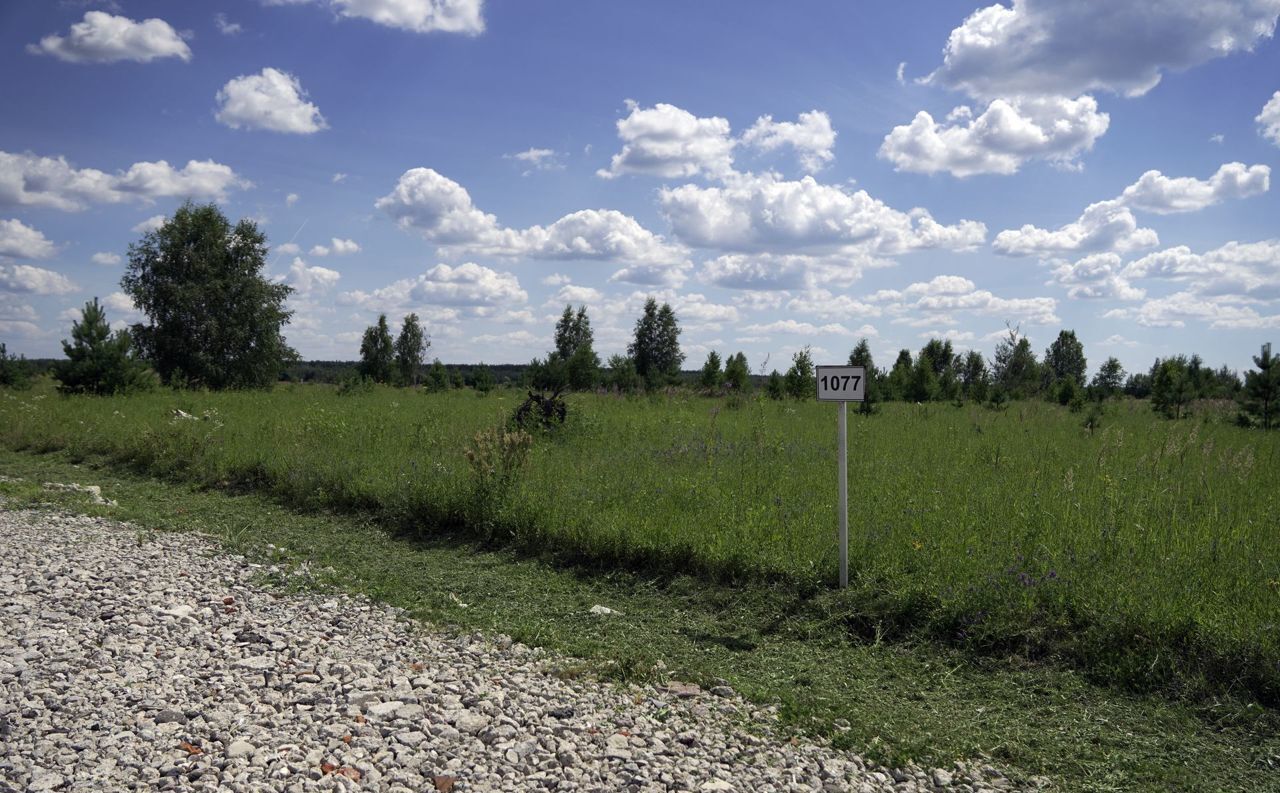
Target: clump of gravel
158 665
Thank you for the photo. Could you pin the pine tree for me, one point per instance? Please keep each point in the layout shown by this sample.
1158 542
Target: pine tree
1015 369
711 376
974 379
437 377
482 379
861 356
377 352
900 376
775 387
99 361
13 370
411 347
1262 387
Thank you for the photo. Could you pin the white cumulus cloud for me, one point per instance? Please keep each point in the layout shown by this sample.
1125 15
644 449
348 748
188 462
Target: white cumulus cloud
23 242
767 213
811 137
441 210
1155 192
30 180
1006 135
34 280
271 100
1097 276
1103 226
307 280
336 247
469 286
1269 119
104 38
794 327
933 301
417 16
1046 47
105 259
152 223
672 143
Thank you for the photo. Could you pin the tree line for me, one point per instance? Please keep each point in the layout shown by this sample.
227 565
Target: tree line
214 320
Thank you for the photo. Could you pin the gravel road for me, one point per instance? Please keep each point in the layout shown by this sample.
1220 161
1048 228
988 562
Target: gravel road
160 665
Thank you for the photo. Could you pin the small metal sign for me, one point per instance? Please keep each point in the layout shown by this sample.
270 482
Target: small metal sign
842 383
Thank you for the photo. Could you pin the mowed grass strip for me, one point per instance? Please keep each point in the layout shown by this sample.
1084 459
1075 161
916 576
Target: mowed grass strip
1143 553
893 701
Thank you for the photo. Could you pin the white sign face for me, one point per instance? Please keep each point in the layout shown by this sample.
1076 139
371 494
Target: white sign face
842 383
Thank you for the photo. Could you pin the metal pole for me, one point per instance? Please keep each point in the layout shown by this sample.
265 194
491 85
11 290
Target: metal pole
844 499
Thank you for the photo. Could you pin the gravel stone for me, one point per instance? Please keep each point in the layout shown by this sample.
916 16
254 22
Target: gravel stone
162 665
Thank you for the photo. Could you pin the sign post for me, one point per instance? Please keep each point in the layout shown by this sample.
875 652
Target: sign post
843 384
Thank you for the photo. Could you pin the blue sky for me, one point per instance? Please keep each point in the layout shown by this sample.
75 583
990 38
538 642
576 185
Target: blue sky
784 175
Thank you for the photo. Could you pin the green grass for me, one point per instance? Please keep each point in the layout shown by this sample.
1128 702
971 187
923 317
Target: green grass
1143 554
903 700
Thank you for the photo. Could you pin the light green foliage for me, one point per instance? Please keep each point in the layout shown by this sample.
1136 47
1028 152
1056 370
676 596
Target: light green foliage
655 347
711 375
1015 529
737 374
99 361
1262 388
438 377
377 352
799 380
213 319
1064 360
410 347
1172 387
1015 370
1109 379
622 374
574 362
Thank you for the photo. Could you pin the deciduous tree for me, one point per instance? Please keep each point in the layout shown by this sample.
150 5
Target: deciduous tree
410 348
655 347
737 374
377 351
213 319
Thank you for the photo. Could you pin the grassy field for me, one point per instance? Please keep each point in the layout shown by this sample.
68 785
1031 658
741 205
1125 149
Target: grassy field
1142 553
